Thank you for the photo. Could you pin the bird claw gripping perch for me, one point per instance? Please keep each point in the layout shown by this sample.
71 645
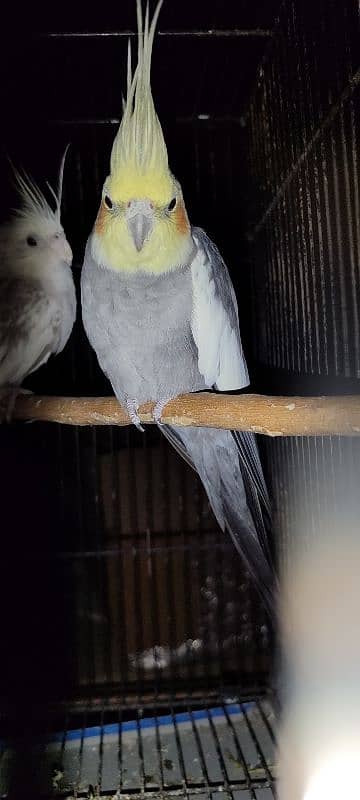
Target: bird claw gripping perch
159 408
8 396
132 407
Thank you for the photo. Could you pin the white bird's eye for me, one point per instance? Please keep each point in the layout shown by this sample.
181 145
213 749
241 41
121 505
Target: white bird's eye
31 241
108 202
172 204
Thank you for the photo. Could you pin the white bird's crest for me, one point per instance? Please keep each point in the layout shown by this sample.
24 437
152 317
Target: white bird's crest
34 206
35 222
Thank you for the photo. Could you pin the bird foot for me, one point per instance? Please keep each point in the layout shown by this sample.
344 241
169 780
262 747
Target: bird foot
159 408
132 407
8 395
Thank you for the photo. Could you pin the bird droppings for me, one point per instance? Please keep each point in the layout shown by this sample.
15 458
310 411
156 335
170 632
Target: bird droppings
180 419
233 758
158 764
57 778
265 431
102 419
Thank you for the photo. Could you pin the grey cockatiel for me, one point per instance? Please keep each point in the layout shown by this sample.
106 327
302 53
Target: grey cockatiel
160 311
37 294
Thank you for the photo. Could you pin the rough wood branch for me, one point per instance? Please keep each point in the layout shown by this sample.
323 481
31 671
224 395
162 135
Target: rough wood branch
271 416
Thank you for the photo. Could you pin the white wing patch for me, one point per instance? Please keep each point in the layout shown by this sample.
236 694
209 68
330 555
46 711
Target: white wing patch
221 358
28 338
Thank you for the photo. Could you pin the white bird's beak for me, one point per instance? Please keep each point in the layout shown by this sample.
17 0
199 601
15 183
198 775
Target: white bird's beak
67 253
62 249
140 220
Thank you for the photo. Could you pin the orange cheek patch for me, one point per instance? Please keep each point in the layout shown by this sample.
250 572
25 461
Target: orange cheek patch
100 223
181 220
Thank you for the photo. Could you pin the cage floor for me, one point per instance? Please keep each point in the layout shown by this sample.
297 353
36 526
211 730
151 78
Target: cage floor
200 753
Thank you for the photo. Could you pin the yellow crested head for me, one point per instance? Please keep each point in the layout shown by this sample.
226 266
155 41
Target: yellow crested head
142 221
129 183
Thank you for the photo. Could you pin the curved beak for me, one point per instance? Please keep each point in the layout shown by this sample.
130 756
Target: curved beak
62 249
67 253
140 220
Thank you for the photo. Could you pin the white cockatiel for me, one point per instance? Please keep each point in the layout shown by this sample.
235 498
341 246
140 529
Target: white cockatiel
160 311
37 293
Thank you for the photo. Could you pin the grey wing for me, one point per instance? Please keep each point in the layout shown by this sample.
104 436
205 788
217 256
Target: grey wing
96 305
30 329
227 461
214 319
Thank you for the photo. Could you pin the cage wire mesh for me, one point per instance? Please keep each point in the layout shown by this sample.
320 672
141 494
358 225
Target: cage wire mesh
304 130
187 753
154 600
131 629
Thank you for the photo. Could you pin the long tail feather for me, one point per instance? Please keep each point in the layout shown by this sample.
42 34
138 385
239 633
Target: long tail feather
246 443
230 469
255 486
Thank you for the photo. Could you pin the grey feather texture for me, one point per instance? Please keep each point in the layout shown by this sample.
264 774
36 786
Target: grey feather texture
37 293
139 326
157 336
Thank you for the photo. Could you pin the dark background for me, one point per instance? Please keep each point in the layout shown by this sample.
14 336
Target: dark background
108 544
75 622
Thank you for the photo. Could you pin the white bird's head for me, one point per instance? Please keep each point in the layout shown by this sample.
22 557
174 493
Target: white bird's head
33 242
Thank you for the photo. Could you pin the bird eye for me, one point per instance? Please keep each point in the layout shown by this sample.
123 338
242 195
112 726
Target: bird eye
31 241
107 201
172 204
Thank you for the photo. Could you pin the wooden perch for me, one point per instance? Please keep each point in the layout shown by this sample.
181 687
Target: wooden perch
271 416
